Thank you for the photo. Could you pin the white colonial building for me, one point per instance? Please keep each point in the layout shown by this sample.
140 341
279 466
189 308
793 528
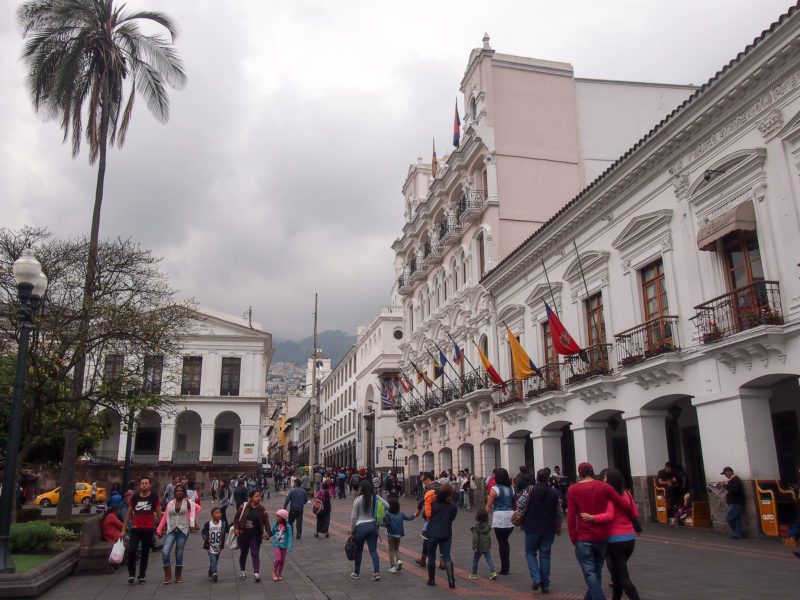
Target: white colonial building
686 295
220 404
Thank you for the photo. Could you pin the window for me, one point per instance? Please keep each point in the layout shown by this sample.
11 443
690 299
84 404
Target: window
654 295
550 356
485 181
464 271
190 381
112 370
743 259
231 368
455 277
595 325
481 247
153 370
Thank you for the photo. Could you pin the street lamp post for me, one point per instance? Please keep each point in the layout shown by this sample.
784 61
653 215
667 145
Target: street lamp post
31 285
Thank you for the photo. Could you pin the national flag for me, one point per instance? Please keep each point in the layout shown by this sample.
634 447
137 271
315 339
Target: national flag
456 128
386 402
442 358
458 355
563 343
404 383
438 370
522 363
434 161
421 376
398 390
408 381
490 370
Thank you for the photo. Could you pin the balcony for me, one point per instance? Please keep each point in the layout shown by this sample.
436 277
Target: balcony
434 254
404 286
185 457
144 459
758 303
576 370
653 338
471 205
534 386
103 457
449 232
225 459
414 271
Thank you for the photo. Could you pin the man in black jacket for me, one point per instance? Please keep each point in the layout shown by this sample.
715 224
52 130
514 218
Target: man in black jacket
735 501
523 480
296 500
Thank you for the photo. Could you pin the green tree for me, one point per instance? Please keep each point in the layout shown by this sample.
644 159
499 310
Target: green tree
87 60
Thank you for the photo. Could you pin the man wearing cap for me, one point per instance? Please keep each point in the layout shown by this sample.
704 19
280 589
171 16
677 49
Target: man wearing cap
590 537
735 501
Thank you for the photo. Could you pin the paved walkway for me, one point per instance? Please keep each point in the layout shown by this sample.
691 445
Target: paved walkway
669 563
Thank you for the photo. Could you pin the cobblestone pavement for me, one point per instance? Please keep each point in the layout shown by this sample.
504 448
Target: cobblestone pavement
669 563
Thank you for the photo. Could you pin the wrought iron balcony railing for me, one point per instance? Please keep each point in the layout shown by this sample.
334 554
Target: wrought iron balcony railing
225 459
652 338
758 303
185 457
471 204
577 370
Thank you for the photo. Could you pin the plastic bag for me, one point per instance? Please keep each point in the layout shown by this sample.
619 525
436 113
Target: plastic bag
117 553
233 540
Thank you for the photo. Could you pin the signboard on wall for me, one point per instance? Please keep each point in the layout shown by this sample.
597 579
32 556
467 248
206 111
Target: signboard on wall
249 449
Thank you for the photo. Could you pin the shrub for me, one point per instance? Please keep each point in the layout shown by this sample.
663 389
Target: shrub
31 537
75 526
24 515
62 534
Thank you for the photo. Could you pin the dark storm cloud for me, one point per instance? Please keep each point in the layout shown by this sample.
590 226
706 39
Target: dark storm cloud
279 172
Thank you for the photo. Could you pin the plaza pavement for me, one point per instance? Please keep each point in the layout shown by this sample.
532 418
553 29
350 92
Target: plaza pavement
669 563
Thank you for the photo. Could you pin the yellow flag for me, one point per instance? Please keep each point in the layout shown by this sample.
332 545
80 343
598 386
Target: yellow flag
523 366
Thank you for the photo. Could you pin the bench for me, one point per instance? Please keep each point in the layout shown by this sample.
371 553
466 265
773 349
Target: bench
701 515
93 551
777 506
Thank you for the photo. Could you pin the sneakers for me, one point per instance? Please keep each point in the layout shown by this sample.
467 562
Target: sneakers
399 565
256 577
131 580
473 576
393 570
353 575
142 581
242 575
376 577
493 575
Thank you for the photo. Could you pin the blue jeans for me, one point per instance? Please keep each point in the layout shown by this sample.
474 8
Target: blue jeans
734 518
476 557
366 532
213 559
539 566
591 556
178 538
444 545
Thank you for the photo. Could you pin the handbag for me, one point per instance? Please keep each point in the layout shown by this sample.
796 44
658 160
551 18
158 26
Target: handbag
350 548
522 507
317 506
232 541
637 524
117 553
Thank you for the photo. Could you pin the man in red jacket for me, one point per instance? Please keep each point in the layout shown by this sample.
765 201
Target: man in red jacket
589 537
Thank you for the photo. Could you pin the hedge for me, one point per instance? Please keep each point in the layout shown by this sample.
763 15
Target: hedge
31 537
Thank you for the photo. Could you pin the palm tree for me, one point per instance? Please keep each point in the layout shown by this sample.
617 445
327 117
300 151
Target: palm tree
86 61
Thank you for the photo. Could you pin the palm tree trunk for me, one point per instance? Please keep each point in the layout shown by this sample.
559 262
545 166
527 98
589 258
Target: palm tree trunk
72 436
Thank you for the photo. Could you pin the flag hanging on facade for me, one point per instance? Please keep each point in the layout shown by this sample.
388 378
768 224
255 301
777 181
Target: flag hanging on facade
456 128
434 160
408 381
404 383
490 370
458 355
398 390
563 343
386 396
421 376
523 365
438 370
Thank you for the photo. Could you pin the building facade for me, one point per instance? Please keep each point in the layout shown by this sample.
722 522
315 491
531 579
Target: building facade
338 402
220 405
677 271
534 135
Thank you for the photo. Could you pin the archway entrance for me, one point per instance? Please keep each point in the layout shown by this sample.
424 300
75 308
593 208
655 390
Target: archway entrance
226 439
187 439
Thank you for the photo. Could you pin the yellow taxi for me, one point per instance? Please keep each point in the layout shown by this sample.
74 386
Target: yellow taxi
83 495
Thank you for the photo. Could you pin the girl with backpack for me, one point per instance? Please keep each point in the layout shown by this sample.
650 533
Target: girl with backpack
367 509
322 508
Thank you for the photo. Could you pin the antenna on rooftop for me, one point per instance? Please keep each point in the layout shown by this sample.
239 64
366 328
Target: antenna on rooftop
248 314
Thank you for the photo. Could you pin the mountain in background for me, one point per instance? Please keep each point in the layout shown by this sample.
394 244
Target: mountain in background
333 343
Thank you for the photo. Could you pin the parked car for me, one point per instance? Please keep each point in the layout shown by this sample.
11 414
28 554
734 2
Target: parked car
83 495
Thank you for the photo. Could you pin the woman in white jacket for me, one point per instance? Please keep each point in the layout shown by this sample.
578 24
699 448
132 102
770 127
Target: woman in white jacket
179 518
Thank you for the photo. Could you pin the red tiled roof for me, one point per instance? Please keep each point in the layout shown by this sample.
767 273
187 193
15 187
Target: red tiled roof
683 106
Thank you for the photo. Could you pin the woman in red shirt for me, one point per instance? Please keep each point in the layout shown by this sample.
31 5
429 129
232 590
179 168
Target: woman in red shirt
112 526
621 536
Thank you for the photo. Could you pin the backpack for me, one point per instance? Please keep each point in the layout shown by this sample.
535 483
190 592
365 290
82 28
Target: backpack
380 513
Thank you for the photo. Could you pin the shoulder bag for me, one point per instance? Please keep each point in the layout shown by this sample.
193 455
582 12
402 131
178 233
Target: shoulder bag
232 540
637 525
522 507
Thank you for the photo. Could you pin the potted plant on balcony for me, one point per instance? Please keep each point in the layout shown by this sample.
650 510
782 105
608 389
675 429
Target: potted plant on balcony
631 360
770 317
750 317
712 333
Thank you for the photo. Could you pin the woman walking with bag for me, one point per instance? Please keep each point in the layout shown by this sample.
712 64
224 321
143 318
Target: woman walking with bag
499 504
440 533
364 527
177 521
622 537
251 526
323 497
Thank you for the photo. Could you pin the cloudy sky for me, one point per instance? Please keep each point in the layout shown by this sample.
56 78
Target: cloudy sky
279 172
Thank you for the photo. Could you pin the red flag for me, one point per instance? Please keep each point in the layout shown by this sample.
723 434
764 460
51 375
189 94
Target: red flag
490 370
403 383
562 340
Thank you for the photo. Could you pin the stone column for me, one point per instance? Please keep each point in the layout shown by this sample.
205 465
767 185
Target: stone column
647 451
512 454
590 444
546 448
166 442
736 431
206 442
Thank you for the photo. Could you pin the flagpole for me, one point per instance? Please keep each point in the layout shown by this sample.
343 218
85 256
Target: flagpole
464 356
586 288
444 374
441 384
449 363
549 287
419 372
412 389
